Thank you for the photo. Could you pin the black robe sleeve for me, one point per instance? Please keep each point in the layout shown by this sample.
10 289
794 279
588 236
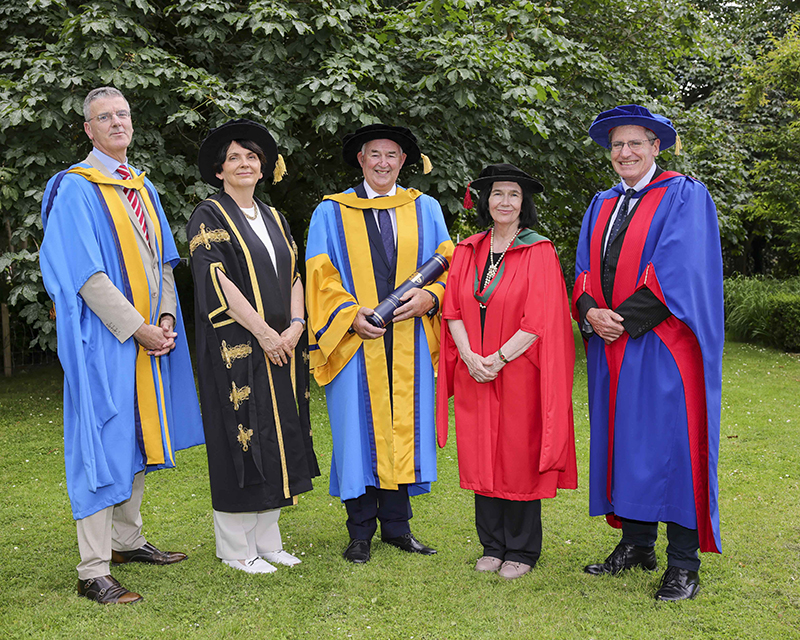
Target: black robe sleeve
641 312
224 348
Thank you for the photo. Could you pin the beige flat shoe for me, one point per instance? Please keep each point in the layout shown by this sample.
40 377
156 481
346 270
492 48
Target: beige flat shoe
488 564
512 570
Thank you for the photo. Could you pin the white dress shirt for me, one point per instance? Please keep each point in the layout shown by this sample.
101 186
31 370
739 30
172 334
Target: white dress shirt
637 187
260 228
371 193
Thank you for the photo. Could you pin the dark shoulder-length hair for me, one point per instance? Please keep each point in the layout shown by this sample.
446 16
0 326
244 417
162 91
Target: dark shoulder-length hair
222 154
527 210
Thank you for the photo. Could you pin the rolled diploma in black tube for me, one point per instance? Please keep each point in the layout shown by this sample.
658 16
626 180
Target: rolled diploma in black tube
427 273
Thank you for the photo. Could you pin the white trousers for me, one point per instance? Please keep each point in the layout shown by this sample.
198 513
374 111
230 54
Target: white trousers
241 536
118 527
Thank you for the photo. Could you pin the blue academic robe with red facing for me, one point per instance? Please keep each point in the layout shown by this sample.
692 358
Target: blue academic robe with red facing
655 393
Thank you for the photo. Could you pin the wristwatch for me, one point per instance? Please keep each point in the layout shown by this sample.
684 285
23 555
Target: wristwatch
435 308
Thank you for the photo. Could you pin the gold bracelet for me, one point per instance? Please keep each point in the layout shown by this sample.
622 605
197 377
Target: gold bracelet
501 356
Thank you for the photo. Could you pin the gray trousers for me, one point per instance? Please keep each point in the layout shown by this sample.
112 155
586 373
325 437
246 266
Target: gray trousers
118 527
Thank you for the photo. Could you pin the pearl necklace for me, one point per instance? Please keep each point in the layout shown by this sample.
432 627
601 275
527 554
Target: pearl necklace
491 272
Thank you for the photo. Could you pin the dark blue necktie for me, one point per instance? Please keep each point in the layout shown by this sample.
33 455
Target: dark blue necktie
622 215
387 235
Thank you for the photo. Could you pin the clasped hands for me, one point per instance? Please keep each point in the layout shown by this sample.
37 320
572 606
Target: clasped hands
279 347
482 368
606 323
158 339
417 303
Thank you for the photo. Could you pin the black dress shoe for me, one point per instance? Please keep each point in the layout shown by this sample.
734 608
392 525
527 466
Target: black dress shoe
407 542
357 551
625 556
147 553
678 584
106 590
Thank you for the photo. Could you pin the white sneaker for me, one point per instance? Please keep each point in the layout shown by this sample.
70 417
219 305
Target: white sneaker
253 565
281 557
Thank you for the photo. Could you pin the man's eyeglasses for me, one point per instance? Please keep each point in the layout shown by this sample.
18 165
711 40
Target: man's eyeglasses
633 145
122 114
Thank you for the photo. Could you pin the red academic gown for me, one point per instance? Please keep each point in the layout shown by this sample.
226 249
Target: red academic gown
515 434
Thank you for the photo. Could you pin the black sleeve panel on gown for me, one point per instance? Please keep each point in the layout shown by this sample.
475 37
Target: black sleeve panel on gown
641 312
584 303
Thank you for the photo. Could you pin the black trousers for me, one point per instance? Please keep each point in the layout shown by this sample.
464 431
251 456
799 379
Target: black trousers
683 544
392 507
509 529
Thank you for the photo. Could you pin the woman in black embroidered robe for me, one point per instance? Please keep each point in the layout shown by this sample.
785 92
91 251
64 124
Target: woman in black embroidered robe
251 349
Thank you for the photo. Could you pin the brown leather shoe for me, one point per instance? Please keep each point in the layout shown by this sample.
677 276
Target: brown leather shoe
147 553
106 590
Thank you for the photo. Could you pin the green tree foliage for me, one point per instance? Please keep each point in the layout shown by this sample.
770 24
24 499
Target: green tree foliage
617 53
727 149
479 81
310 71
773 89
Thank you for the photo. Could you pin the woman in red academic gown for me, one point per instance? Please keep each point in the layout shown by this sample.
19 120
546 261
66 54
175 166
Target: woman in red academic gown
507 355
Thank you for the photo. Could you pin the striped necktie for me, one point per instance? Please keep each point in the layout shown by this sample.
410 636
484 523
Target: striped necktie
136 205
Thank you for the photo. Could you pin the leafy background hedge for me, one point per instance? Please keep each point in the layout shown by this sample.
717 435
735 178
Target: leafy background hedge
478 81
764 310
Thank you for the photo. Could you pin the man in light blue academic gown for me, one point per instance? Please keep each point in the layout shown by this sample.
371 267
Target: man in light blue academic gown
379 382
129 394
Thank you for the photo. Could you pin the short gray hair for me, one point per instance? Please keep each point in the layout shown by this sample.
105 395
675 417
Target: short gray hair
95 94
651 136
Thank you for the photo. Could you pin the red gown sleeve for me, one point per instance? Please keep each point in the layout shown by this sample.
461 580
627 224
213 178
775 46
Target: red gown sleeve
547 314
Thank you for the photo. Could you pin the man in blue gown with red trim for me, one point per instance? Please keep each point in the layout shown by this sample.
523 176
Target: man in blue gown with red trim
648 301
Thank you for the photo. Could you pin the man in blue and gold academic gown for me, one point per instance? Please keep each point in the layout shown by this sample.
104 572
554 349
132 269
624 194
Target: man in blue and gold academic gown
129 394
379 383
648 300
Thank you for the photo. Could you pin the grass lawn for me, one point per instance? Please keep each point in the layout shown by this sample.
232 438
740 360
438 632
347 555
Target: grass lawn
751 591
